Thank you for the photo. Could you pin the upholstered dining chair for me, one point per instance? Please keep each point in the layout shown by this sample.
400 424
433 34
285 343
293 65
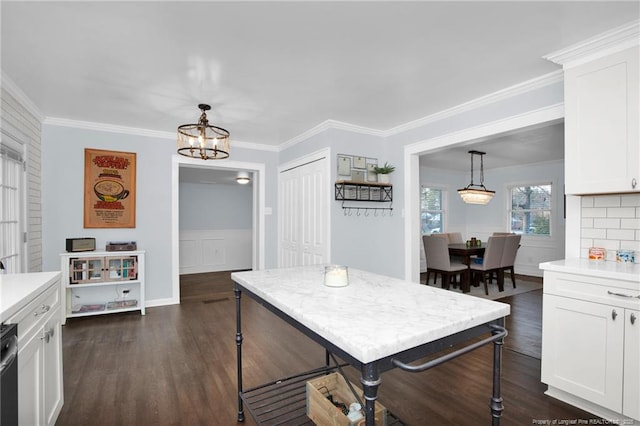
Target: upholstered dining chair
438 261
455 237
444 237
490 263
511 245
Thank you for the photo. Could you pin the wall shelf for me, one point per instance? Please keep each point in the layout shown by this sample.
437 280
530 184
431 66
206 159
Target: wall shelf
364 192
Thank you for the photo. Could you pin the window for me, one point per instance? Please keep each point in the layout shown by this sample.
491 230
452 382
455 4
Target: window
432 212
11 172
530 209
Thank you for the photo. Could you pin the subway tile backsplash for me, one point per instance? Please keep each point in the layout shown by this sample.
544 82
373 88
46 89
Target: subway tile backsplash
612 222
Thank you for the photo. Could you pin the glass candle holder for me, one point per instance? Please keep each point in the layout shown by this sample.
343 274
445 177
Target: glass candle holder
336 276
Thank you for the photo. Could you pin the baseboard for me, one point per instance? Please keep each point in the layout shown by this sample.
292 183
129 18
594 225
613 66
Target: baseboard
529 278
583 404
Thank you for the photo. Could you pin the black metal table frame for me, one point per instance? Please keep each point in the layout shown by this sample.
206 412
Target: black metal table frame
370 372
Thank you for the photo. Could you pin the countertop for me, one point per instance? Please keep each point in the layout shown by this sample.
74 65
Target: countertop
16 290
596 268
374 316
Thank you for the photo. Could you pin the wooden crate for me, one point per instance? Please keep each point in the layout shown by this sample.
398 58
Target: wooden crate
323 413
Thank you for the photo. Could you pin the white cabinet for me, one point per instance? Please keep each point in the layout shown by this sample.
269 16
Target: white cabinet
591 343
602 125
631 401
40 385
102 282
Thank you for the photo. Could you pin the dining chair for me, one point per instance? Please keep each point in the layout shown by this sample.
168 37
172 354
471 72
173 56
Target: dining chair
490 263
438 262
444 237
455 237
511 246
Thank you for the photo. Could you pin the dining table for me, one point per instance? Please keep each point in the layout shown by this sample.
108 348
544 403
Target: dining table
464 251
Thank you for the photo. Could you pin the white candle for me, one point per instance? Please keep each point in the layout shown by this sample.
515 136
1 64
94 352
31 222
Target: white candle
336 276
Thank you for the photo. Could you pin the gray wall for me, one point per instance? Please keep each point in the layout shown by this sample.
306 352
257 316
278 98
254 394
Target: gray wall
378 244
62 187
206 206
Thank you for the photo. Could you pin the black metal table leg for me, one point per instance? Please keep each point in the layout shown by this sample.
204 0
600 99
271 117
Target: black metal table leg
370 381
496 400
238 295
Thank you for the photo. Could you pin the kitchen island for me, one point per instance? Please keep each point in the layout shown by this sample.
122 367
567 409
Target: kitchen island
376 323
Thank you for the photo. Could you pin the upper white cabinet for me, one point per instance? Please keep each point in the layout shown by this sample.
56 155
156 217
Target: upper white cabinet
602 112
602 145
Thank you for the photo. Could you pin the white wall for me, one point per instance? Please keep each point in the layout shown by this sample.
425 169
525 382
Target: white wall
482 221
21 129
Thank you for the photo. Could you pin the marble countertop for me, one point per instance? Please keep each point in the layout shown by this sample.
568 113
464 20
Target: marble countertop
596 268
374 316
16 290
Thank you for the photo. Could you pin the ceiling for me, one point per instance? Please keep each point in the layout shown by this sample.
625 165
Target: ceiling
273 70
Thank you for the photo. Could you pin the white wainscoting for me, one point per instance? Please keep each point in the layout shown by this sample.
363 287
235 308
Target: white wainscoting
215 250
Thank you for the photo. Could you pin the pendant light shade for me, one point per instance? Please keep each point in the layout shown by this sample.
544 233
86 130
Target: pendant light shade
476 194
202 140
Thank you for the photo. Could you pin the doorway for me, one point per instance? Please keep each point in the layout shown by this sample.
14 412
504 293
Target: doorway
258 208
412 226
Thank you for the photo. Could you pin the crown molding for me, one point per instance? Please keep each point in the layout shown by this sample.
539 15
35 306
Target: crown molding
22 98
603 44
102 127
509 92
326 125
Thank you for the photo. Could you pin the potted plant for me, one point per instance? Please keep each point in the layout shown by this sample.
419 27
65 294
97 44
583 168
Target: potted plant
383 172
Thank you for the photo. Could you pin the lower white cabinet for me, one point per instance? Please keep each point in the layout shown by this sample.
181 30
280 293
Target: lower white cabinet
631 394
591 343
40 381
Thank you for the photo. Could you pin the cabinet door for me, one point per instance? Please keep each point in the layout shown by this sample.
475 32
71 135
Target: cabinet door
631 402
52 368
602 151
582 349
29 385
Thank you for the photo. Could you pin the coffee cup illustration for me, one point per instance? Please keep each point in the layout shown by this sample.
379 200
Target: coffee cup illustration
110 190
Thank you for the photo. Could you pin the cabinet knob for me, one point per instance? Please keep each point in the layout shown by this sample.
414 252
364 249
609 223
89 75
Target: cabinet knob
633 318
48 335
614 314
634 182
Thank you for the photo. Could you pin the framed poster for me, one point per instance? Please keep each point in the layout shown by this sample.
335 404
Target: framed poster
109 189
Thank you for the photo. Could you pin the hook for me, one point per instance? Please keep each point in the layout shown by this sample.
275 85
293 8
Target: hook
358 212
366 213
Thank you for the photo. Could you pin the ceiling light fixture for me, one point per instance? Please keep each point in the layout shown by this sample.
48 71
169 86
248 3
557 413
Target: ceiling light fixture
476 196
243 178
203 140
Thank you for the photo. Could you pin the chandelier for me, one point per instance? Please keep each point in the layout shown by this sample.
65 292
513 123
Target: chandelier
203 140
479 195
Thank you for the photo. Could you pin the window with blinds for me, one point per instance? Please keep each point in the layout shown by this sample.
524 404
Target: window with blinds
11 191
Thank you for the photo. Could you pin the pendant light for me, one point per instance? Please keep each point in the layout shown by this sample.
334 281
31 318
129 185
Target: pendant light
479 195
203 140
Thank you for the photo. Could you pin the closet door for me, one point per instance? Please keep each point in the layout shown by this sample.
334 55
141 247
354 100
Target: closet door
303 213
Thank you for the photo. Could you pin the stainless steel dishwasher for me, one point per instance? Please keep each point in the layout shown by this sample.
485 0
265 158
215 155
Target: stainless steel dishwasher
9 375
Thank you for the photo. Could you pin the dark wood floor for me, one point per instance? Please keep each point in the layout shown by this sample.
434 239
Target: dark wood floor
176 366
